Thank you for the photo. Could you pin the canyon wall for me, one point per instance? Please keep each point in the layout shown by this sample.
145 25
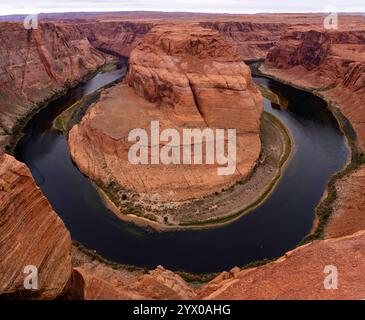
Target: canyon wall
330 63
251 40
37 64
117 36
31 233
184 77
348 216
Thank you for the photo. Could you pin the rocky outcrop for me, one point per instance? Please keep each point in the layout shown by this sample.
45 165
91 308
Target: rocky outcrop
88 286
95 280
31 234
37 64
117 36
162 284
185 77
300 274
348 216
251 40
108 284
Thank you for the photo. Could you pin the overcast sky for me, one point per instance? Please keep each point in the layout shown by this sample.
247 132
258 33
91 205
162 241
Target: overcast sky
228 6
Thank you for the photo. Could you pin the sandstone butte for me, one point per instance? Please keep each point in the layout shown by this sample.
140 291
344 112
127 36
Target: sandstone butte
38 64
184 77
299 274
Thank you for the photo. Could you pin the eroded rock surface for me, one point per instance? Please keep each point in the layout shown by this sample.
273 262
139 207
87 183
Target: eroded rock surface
348 216
103 284
31 233
93 280
38 63
117 36
251 40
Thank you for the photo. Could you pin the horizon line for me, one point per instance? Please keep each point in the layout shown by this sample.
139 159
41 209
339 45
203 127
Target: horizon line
173 11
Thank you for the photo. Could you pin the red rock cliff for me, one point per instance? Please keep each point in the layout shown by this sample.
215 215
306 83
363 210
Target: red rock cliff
118 36
332 63
31 233
37 64
251 40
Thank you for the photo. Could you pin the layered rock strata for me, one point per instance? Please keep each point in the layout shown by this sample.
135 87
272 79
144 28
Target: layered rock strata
37 64
251 40
31 234
117 36
330 63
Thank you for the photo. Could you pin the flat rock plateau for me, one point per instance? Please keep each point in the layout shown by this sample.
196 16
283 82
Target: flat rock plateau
164 78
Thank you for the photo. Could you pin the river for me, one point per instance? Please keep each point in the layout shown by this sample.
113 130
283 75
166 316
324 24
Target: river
270 230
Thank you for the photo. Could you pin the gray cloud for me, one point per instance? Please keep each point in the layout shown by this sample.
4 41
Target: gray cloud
229 6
